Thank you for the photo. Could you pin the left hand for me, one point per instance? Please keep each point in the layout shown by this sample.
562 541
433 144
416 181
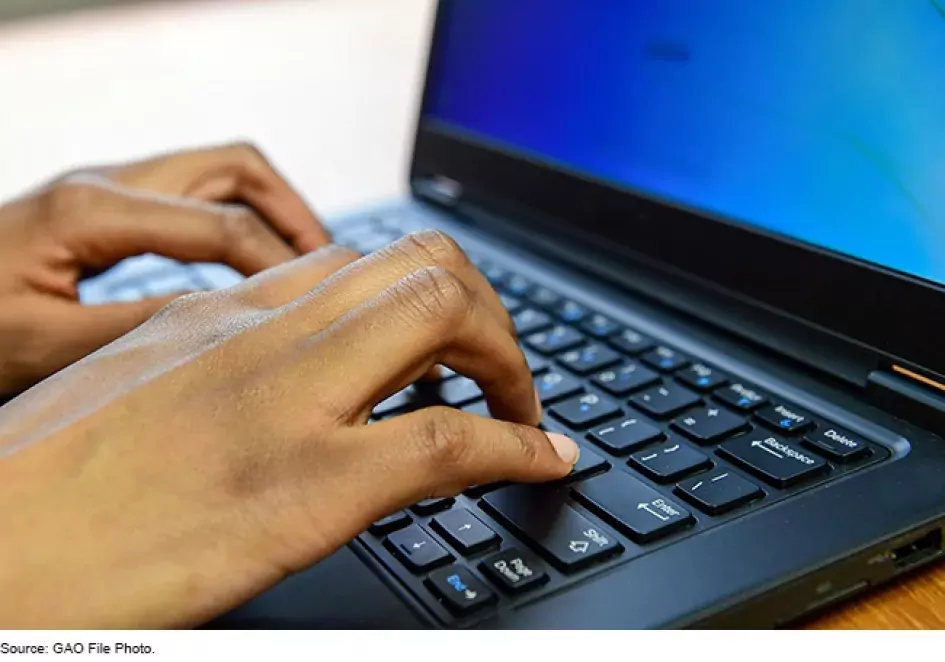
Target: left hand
225 204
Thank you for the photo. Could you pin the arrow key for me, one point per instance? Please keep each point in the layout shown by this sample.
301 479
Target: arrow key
416 549
465 531
631 505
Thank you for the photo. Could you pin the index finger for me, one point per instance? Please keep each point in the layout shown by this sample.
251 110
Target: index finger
232 173
430 317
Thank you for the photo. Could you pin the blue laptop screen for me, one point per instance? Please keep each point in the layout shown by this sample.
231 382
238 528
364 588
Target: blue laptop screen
823 120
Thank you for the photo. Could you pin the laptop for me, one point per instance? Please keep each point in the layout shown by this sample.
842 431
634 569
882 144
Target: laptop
720 230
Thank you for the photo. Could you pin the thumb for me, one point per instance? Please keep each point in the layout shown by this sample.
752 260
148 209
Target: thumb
440 452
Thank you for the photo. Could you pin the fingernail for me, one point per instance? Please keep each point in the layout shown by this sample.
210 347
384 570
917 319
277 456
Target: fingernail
538 406
566 449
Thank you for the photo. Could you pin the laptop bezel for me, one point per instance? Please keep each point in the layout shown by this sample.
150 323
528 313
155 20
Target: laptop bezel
818 286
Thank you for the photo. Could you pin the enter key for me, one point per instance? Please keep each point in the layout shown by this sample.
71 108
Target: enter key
641 512
775 460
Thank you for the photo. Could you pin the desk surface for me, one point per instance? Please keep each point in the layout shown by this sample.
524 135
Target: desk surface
328 88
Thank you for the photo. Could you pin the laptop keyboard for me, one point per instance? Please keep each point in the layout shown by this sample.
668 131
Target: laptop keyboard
670 446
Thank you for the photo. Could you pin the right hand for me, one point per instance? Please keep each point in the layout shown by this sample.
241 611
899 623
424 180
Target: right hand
224 444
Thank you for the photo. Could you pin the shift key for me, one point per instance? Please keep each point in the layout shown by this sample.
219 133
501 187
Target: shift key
542 518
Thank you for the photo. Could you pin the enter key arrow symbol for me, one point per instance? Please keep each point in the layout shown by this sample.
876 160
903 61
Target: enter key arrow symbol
648 508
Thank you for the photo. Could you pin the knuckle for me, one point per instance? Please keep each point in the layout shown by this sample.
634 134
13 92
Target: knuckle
250 153
444 438
434 295
435 247
185 306
336 253
527 441
72 196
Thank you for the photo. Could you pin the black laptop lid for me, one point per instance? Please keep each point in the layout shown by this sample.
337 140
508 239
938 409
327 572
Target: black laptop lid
790 150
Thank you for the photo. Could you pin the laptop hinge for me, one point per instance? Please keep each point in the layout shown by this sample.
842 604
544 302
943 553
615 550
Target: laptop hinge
909 395
440 190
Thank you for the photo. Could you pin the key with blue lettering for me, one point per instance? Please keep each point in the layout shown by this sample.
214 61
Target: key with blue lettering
589 358
786 418
553 386
585 410
460 591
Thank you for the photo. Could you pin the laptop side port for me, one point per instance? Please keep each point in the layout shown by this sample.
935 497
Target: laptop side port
921 550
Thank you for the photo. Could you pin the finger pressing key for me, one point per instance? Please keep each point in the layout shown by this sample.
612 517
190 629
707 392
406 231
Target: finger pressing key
427 318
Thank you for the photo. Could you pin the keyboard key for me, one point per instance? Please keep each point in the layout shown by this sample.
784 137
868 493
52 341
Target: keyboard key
631 342
511 304
514 571
219 276
837 444
459 392
789 420
584 410
774 460
390 523
557 339
600 326
669 461
367 246
399 402
589 359
664 401
542 517
479 409
544 298
417 550
530 321
171 282
476 491
517 286
477 260
459 590
446 373
625 436
719 491
494 274
536 363
430 506
632 506
554 386
710 424
741 397
702 378
589 464
572 312
665 359
625 379
464 531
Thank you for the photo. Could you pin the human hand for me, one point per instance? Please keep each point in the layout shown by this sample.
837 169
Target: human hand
224 205
225 444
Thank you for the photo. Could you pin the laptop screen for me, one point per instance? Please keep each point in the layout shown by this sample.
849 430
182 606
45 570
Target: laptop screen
822 120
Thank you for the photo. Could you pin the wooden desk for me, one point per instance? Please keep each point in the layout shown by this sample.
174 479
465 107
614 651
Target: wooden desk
327 87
